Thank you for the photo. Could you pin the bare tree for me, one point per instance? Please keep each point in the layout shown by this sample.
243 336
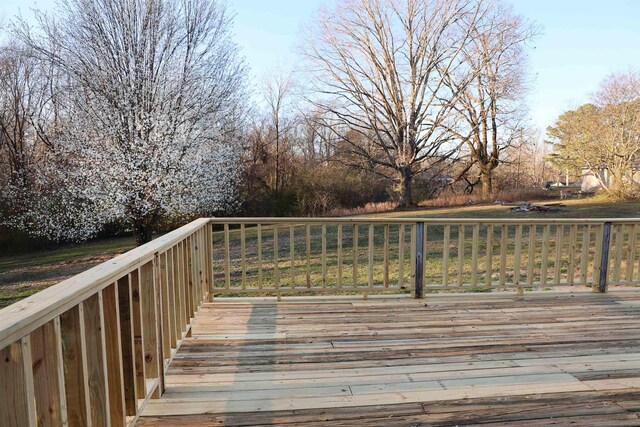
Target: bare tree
491 85
375 65
155 89
278 88
24 100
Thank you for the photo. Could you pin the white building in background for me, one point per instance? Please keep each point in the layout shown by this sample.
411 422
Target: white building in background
590 182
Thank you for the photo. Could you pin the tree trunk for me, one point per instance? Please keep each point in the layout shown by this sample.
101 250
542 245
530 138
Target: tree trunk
406 196
142 233
487 183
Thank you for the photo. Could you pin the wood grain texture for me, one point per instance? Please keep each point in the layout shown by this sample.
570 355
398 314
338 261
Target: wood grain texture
50 398
16 408
460 359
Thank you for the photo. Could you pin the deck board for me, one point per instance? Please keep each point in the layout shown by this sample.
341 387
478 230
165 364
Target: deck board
552 357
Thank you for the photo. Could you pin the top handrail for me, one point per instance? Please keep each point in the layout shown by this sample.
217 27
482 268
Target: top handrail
23 317
413 220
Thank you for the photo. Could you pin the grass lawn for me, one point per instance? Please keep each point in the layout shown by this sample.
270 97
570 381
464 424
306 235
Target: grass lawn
23 275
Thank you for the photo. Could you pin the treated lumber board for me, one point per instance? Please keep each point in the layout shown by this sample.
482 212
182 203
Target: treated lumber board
96 360
255 394
306 417
181 407
113 352
46 350
125 310
75 366
17 407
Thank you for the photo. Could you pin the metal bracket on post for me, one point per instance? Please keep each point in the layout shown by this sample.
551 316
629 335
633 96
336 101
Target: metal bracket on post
419 273
604 259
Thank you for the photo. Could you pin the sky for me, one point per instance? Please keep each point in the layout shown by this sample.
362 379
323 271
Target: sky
582 42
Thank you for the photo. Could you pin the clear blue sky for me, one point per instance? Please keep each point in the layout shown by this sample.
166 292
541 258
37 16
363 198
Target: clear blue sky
582 41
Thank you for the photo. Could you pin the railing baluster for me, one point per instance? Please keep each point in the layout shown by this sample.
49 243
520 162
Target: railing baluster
354 264
292 254
138 334
445 255
475 243
424 256
18 403
339 249
419 260
227 275
259 249
164 315
96 363
308 253
631 253
128 347
46 350
401 256
111 310
276 271
324 256
619 245
370 276
504 232
174 301
573 248
584 253
597 258
546 230
412 259
517 254
488 280
243 256
460 260
557 265
385 257
531 253
209 259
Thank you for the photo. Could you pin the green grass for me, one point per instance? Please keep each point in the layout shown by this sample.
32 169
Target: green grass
25 274
575 208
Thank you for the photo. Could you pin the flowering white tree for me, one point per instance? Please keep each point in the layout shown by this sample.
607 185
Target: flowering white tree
153 92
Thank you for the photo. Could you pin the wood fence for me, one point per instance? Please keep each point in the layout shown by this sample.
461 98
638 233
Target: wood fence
286 256
93 349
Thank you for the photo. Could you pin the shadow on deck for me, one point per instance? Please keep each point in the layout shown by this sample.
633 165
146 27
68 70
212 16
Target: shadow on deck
553 357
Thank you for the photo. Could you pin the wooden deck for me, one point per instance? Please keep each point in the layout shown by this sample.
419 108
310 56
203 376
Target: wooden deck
554 358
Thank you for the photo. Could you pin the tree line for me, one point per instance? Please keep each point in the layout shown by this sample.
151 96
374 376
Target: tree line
133 114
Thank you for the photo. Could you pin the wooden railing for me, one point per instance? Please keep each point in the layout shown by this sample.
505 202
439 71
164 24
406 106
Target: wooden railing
287 256
93 349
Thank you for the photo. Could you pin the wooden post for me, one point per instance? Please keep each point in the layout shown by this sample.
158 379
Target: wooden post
604 258
419 263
